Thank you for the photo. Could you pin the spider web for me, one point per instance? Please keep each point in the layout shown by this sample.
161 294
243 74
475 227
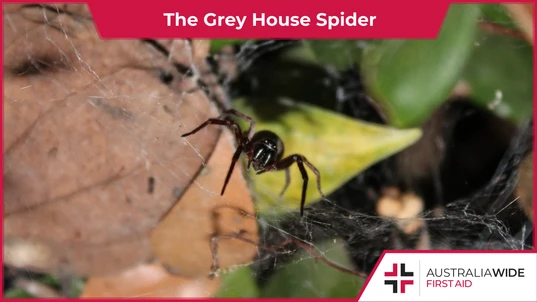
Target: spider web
347 223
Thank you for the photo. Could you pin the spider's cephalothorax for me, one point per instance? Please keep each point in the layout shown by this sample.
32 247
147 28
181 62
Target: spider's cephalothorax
264 150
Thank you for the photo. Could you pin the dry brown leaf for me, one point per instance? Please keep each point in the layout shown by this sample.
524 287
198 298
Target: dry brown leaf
92 147
149 281
182 240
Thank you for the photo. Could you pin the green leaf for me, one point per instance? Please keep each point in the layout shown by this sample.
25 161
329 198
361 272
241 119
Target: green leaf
338 146
500 75
17 293
339 54
217 44
304 276
411 78
50 280
238 283
298 54
75 286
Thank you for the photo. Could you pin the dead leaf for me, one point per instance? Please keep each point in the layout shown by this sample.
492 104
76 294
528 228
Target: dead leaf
147 281
92 147
182 239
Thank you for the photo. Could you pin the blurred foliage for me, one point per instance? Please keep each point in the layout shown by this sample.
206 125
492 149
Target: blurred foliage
496 13
217 44
339 54
305 276
338 146
511 77
76 286
239 283
17 293
411 78
73 288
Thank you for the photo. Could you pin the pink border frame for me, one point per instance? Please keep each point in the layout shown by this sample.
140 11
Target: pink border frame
385 252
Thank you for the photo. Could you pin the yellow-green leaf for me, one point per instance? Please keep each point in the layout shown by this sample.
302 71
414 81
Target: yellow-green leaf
338 146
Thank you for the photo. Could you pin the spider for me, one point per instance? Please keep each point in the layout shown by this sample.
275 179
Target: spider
264 150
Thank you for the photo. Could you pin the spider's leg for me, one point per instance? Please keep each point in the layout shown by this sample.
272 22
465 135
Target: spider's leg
233 161
305 185
250 158
287 181
312 167
217 121
250 120
285 164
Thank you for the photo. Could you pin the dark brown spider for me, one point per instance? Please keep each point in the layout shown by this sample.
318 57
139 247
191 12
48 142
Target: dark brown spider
264 150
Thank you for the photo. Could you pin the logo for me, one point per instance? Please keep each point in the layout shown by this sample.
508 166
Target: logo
399 287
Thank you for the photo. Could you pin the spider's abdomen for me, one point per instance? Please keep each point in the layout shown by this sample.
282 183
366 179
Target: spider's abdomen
267 149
